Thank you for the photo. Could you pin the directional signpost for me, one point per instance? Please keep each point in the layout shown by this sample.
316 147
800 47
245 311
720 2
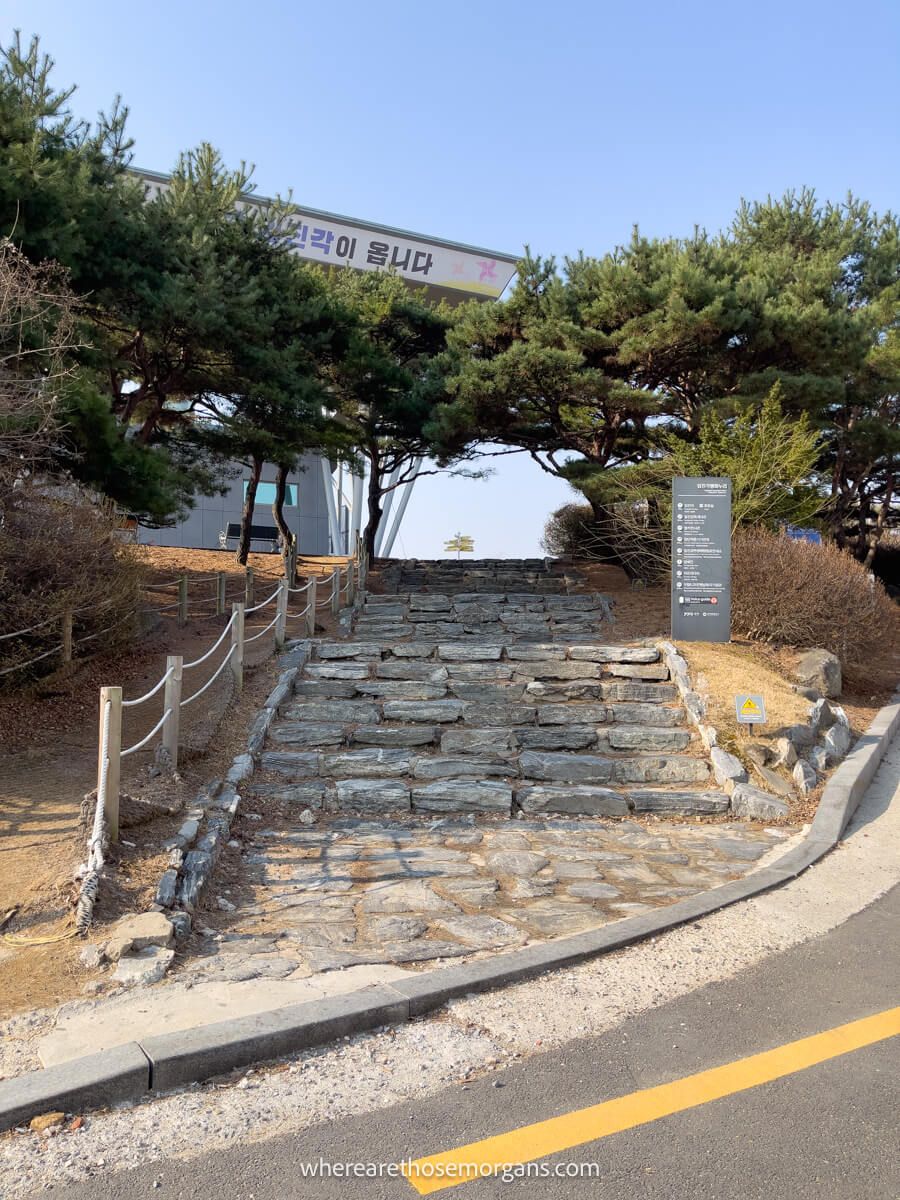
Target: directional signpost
462 543
701 559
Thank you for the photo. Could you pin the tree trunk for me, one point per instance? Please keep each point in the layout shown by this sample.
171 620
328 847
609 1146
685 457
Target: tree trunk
374 504
243 550
287 537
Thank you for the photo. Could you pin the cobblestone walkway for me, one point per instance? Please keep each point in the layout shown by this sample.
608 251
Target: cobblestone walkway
351 891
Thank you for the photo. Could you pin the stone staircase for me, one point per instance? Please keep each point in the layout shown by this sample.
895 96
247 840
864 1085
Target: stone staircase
544 576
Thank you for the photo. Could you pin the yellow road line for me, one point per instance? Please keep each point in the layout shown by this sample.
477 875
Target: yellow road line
453 1167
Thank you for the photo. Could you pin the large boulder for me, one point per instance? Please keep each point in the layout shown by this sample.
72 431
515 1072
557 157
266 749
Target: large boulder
820 669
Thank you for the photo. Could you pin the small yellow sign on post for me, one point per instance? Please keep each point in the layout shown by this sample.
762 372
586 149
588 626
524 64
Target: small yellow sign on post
750 709
462 543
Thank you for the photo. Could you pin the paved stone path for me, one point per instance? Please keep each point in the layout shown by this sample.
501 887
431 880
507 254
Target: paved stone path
415 800
349 891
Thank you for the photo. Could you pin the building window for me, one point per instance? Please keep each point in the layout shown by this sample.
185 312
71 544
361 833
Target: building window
265 494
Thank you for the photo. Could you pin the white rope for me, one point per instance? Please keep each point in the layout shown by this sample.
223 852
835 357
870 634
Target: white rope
30 629
143 742
160 608
212 650
262 603
262 631
211 680
31 661
152 692
166 583
305 587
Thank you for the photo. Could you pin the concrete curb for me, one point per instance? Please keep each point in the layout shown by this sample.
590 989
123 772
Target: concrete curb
133 1071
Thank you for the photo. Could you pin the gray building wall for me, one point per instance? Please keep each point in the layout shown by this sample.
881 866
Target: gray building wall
213 514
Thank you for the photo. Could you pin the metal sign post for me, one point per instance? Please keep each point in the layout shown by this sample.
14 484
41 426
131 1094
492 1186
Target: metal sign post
462 543
701 559
750 708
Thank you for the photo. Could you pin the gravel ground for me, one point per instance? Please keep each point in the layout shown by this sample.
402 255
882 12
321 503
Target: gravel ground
476 1034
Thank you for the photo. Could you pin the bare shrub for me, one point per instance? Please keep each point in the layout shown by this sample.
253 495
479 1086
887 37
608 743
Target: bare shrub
632 535
57 552
797 593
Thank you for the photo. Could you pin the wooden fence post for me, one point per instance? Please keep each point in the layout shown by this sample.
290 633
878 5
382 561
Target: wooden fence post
67 635
237 642
351 582
172 705
113 752
336 591
182 600
220 593
248 588
311 608
281 613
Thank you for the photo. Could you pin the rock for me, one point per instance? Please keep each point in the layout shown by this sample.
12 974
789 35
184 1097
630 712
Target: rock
488 693
386 735
294 763
774 782
480 672
645 737
615 654
398 929
338 670
328 689
413 650
805 778
726 767
429 602
300 733
225 905
654 671
474 741
758 753
469 892
375 794
577 801
657 715
195 874
241 768
401 689
434 711
309 792
658 769
649 800
523 863
91 957
647 693
785 752
593 891
359 764
411 669
167 887
137 933
571 768
552 669
468 652
800 736
144 967
348 650
45 1121
333 711
553 917
481 932
572 714
463 795
836 742
821 670
307 817
404 896
557 737
819 759
540 651
442 767
498 714
756 805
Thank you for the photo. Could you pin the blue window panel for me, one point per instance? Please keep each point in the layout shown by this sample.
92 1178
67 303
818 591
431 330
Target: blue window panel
265 494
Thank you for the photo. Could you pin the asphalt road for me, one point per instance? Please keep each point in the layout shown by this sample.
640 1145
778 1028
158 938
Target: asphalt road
832 1130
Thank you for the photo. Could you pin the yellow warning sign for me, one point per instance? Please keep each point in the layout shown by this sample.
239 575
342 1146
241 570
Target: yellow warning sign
750 709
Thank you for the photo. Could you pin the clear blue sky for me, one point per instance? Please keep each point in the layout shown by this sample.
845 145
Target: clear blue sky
499 123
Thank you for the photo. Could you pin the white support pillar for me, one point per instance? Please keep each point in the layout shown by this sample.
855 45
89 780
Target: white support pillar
356 510
386 511
406 492
330 506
